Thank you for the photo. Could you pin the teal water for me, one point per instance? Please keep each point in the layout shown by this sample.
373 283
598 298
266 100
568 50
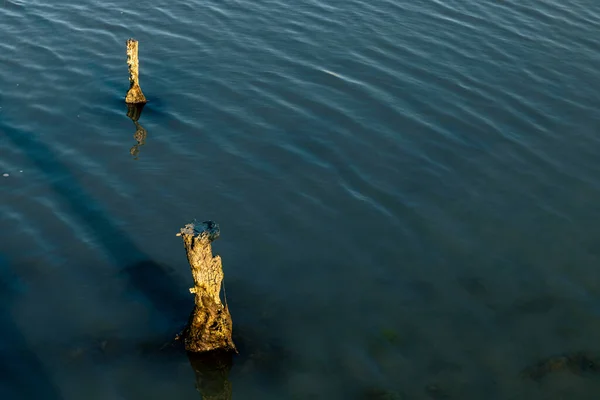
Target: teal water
408 195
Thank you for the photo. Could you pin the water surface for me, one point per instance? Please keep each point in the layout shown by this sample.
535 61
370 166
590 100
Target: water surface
407 192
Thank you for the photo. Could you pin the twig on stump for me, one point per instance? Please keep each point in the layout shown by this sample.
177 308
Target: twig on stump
209 327
134 95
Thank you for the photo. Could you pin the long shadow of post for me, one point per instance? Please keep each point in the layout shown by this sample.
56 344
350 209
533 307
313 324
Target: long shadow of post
150 278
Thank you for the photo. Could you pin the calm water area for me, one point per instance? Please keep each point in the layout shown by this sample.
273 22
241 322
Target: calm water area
408 193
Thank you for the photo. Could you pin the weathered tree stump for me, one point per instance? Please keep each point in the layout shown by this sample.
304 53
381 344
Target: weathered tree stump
134 94
209 327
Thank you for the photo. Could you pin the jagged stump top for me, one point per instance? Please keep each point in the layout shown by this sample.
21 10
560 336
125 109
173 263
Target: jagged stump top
206 229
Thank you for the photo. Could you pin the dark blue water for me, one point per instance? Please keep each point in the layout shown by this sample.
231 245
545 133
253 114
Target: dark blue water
408 194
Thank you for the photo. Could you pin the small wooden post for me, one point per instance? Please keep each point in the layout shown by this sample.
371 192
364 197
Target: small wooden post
134 95
209 327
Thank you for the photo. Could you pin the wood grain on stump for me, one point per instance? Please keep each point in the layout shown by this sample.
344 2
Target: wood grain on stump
209 326
134 94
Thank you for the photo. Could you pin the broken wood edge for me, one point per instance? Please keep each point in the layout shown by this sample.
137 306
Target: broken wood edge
209 326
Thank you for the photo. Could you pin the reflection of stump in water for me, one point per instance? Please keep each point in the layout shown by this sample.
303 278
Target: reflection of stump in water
212 372
209 327
576 363
140 136
134 111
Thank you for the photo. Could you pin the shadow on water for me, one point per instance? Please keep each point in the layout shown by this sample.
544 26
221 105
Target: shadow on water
155 281
22 375
147 277
116 242
134 111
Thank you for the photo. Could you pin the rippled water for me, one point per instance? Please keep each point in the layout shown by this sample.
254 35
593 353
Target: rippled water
408 194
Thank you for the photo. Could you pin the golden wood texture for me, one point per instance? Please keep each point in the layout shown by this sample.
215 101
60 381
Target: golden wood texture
134 94
210 326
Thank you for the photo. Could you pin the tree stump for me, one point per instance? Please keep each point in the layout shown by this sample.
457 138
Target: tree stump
134 94
209 327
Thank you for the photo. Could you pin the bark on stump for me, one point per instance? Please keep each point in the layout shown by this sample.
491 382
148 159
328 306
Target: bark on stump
209 326
134 95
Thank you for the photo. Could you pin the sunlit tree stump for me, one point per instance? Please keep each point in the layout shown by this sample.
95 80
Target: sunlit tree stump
209 326
134 95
